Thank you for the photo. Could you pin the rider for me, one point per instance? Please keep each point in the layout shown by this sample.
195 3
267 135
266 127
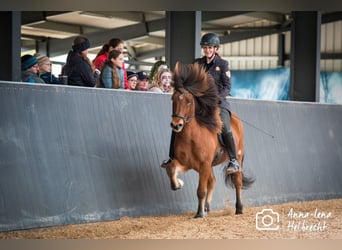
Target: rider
218 68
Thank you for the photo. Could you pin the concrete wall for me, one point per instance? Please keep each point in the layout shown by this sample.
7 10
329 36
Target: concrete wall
72 155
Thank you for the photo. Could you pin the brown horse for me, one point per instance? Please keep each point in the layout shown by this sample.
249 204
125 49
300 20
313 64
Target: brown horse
197 125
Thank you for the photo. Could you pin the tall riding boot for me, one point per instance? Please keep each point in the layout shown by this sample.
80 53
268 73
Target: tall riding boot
171 151
229 142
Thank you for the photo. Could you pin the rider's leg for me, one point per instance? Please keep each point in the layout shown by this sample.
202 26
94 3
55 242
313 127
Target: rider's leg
171 151
228 139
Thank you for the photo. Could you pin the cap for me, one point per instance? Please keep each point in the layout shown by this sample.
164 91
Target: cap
27 61
131 74
80 44
142 75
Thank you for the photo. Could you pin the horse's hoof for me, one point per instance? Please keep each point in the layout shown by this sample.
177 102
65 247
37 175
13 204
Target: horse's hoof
200 215
180 182
238 211
165 163
207 208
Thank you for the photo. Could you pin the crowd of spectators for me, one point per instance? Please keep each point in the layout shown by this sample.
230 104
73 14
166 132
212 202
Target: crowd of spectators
107 70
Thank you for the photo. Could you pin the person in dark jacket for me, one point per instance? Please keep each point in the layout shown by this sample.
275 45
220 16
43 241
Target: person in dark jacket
78 67
218 68
44 64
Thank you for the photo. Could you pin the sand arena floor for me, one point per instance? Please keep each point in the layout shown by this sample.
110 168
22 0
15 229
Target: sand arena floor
297 220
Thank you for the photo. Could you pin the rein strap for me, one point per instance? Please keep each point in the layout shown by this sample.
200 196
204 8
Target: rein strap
186 119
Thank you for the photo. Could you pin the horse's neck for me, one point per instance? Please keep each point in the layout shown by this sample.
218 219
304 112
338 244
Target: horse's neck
193 130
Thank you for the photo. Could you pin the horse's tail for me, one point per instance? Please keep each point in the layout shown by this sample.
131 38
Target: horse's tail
246 181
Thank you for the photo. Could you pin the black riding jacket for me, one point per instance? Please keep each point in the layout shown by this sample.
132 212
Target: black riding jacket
219 69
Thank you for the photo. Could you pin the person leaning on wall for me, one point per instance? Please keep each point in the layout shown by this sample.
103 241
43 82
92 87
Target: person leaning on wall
29 69
132 79
102 55
78 68
142 81
158 65
44 65
112 75
163 79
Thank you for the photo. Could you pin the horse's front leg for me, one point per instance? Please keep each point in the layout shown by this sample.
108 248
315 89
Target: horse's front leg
202 195
201 213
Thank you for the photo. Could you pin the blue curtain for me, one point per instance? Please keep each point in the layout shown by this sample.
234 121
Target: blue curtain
274 84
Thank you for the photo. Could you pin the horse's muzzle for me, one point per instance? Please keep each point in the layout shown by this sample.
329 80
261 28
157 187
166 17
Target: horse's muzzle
177 127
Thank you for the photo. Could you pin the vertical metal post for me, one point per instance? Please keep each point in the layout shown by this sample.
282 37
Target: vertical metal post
10 22
305 56
183 33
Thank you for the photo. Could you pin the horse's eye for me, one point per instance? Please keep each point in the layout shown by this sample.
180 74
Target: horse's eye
189 102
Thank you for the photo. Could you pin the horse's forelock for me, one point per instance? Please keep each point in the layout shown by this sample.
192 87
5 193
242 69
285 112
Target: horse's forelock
179 75
191 77
195 79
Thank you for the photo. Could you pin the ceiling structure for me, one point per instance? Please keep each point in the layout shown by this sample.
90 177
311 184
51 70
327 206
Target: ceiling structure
143 32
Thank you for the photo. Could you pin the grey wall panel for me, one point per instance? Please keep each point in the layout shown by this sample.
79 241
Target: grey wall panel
297 156
74 155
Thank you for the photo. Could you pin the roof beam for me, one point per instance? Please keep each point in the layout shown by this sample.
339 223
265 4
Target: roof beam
269 16
238 36
136 31
61 46
213 15
332 17
28 17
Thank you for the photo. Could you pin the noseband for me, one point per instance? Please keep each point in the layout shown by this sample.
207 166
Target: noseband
185 119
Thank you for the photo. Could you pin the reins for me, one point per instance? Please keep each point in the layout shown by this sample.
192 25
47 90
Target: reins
255 127
186 119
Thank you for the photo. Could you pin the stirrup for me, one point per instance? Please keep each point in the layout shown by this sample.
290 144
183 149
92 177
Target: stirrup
233 167
166 163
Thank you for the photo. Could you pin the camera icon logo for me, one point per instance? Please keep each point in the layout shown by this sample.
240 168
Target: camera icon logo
267 219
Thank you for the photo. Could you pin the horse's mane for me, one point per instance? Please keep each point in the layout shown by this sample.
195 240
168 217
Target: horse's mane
201 85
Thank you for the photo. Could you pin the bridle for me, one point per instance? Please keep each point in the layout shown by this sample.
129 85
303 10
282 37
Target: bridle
181 96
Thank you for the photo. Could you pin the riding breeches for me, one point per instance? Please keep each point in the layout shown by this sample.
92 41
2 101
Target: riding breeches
225 117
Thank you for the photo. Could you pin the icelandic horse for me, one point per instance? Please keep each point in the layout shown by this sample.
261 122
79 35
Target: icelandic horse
197 125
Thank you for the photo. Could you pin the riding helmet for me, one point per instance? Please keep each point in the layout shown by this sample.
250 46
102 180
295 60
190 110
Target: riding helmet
210 39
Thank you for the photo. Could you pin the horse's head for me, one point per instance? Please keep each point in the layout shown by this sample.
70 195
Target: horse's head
183 109
195 96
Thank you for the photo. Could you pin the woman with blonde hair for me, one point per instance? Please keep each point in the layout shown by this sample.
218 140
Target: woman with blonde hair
162 80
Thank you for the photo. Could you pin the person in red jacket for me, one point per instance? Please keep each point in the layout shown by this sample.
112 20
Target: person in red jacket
102 55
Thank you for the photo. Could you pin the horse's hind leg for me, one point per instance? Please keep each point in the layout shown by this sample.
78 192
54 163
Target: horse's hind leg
237 180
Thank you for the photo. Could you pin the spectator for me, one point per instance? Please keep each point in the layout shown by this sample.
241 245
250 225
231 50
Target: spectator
78 68
29 69
44 65
142 83
156 67
156 84
102 55
155 87
163 79
132 79
111 72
